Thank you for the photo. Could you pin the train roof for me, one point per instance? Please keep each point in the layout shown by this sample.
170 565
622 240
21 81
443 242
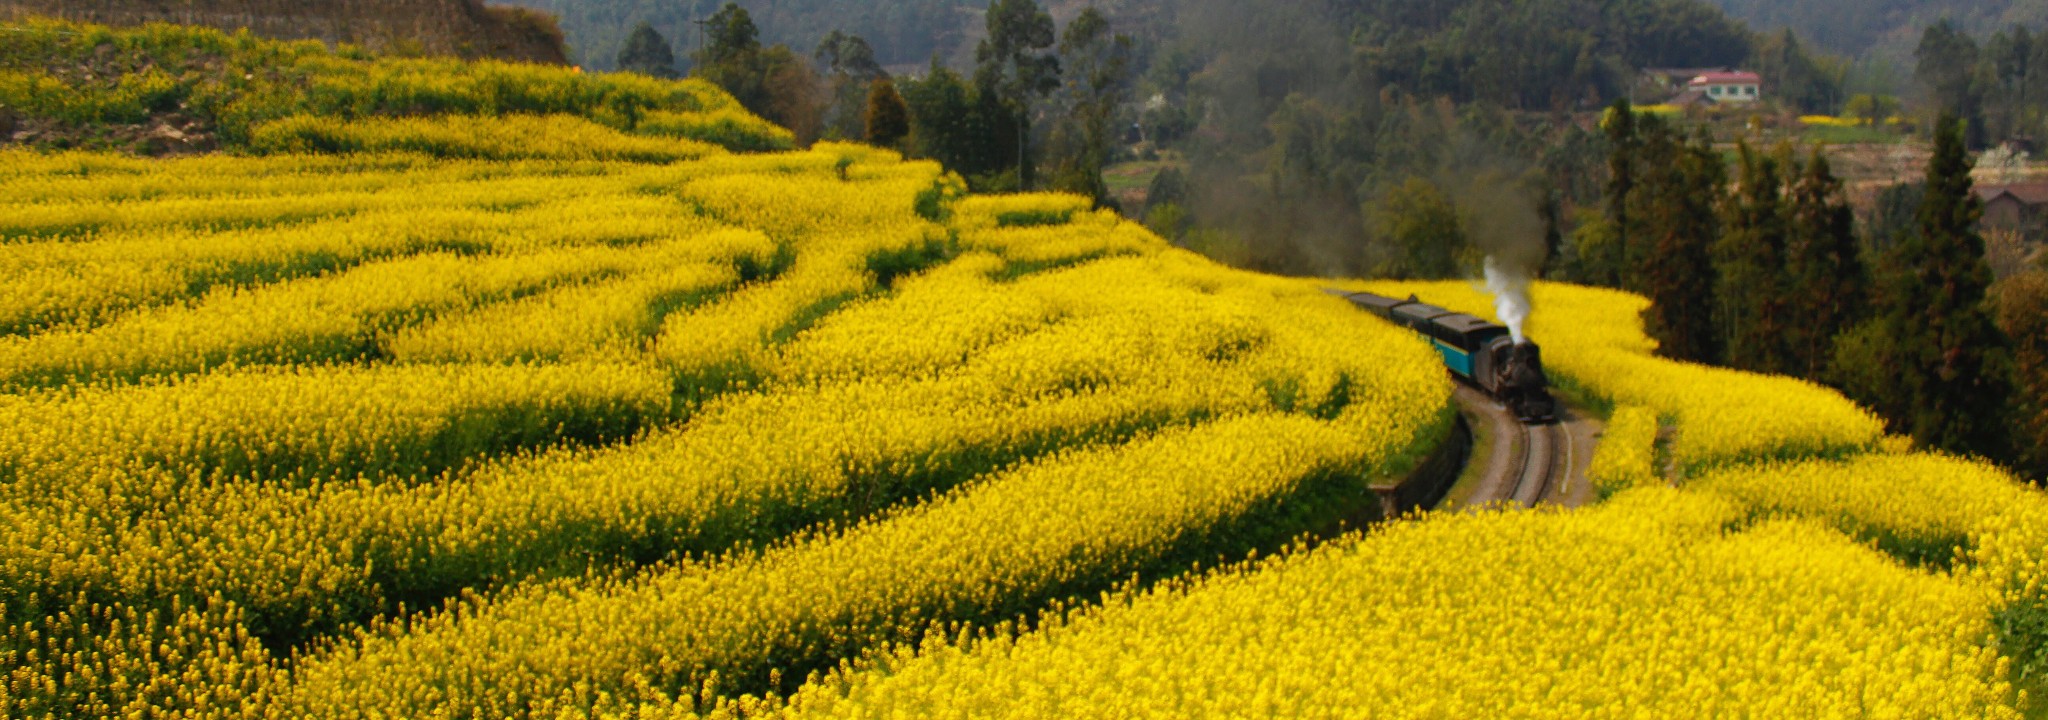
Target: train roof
1460 329
1370 301
1420 311
1468 324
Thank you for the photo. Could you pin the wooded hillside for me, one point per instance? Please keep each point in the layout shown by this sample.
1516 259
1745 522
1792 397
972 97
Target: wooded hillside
902 31
1858 27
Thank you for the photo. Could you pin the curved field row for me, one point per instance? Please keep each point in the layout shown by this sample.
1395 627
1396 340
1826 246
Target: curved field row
1072 524
338 318
557 136
93 279
1640 606
830 355
1801 569
1060 531
312 423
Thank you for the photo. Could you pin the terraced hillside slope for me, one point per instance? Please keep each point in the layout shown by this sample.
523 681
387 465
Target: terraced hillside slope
323 430
533 416
170 89
1764 554
463 28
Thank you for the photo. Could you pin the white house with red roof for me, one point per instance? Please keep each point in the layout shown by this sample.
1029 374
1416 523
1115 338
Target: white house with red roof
1727 87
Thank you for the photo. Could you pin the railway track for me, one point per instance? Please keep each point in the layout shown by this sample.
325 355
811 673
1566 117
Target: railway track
1528 464
1549 451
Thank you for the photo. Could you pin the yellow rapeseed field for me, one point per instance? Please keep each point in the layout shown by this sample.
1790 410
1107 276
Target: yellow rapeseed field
1627 454
1802 568
520 412
291 406
1643 607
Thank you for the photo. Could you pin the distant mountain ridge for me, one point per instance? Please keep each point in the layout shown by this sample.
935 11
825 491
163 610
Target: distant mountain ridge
464 28
1891 27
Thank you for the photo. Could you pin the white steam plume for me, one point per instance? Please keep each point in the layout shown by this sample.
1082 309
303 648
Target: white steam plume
1510 290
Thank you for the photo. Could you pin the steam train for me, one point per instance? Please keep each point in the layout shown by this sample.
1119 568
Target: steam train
1477 351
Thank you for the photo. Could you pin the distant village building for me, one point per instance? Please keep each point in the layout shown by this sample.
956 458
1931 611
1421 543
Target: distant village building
1728 87
2019 207
1699 87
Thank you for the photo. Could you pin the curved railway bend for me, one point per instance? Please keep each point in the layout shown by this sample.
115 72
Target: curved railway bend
1527 464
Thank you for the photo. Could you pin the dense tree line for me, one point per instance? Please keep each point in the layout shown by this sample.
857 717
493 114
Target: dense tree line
1327 105
1303 124
1767 273
1534 55
981 126
902 31
1884 28
774 82
2021 304
1998 87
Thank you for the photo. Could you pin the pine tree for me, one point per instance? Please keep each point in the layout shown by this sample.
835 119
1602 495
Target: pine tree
1681 225
648 53
731 36
1954 362
773 82
1750 265
732 58
1623 149
951 122
1829 283
887 118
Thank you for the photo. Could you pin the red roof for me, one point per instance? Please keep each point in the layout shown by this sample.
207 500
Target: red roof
1728 78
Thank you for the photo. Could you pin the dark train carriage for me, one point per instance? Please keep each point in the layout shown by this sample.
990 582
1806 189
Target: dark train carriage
1473 348
1479 351
1380 305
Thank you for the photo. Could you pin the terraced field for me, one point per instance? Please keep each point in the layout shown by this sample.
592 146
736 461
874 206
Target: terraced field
510 438
512 413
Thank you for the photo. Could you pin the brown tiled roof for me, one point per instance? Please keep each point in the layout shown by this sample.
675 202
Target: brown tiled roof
2034 193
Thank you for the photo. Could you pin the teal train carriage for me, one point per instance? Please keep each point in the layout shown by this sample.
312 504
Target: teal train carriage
1476 351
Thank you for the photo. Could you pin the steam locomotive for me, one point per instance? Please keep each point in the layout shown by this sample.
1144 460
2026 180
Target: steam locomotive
1477 351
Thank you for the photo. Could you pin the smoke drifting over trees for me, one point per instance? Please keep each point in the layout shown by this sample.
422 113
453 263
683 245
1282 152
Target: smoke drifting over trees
1309 142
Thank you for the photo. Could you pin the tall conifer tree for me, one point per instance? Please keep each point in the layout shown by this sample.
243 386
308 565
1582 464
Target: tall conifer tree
1750 265
1680 184
648 53
1623 149
887 118
1829 283
1954 362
